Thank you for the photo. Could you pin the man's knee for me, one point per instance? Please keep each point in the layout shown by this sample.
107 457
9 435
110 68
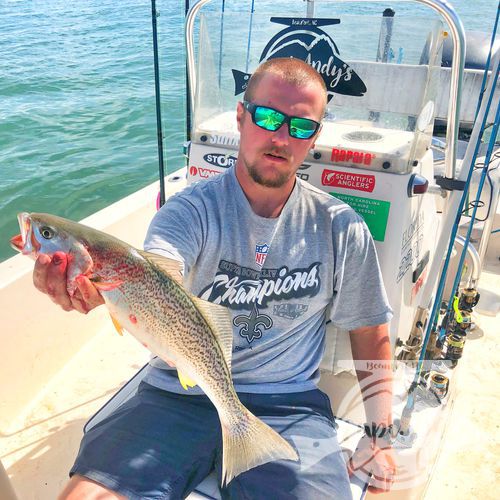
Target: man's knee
82 488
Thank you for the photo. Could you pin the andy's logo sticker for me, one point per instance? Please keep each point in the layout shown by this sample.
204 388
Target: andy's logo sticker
261 251
304 39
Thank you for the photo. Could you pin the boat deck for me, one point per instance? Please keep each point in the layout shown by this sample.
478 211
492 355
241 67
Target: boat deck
37 447
39 450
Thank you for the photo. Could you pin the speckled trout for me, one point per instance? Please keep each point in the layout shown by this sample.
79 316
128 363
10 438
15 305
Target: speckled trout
145 296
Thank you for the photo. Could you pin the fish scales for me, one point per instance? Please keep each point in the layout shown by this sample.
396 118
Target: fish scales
159 301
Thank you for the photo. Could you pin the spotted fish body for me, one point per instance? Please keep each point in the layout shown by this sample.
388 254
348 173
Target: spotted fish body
144 295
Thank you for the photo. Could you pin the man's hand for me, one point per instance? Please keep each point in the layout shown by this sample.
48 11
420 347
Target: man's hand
375 459
49 276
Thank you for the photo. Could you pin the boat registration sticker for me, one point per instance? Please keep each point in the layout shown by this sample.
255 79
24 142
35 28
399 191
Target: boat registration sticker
374 212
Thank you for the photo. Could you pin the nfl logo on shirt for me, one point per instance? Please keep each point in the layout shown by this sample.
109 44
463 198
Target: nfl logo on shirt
261 253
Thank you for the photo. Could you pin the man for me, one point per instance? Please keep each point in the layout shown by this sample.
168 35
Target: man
282 256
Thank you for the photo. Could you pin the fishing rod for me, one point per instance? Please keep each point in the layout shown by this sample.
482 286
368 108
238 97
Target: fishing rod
188 93
475 139
484 173
434 317
159 132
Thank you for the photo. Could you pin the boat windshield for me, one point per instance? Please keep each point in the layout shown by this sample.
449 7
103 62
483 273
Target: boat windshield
382 73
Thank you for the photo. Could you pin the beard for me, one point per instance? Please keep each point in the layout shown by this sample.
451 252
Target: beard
277 181
274 178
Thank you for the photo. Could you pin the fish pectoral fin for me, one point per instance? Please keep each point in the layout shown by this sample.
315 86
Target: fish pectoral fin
118 327
185 381
106 286
171 266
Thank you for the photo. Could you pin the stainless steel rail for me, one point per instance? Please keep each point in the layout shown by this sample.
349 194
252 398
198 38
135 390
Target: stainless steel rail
475 258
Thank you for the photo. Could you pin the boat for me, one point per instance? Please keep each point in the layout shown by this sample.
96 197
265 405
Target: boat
403 143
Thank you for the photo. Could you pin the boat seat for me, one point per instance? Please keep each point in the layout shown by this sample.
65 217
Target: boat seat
349 434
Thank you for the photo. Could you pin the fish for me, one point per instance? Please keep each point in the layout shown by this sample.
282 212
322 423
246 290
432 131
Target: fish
145 296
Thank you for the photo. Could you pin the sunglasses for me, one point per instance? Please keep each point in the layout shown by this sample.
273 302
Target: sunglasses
272 119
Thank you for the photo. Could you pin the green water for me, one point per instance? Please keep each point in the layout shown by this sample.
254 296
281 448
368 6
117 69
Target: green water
77 111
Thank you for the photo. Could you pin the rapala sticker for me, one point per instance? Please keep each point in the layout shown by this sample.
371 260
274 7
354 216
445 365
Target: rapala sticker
220 160
204 173
346 180
348 156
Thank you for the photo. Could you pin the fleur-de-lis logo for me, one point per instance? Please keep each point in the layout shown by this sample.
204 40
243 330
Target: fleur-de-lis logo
253 324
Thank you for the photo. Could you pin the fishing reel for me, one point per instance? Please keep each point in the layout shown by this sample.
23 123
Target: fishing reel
468 299
458 323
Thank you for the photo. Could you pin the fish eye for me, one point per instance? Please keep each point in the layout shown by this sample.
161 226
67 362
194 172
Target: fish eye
47 232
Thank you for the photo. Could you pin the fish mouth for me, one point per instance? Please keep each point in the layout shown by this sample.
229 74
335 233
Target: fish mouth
25 242
17 243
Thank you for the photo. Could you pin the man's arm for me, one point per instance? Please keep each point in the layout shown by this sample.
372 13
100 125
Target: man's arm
372 355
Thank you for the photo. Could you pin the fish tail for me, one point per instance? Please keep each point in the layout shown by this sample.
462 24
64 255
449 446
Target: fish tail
249 443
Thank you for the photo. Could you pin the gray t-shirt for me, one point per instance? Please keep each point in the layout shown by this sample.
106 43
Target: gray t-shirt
282 278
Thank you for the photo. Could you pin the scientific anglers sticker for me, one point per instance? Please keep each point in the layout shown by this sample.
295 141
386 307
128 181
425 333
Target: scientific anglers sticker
374 212
347 180
303 39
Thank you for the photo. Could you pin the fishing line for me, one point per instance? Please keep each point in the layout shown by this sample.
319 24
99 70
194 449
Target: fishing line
221 37
488 61
249 34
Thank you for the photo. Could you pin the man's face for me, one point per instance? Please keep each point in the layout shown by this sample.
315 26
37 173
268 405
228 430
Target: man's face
272 158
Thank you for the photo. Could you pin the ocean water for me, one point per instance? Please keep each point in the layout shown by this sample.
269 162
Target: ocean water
77 108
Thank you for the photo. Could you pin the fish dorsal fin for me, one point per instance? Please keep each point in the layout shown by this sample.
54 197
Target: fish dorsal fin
219 320
171 266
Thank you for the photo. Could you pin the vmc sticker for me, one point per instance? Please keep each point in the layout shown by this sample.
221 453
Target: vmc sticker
346 180
203 173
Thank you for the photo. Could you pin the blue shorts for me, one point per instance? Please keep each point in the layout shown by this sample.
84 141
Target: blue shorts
162 445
